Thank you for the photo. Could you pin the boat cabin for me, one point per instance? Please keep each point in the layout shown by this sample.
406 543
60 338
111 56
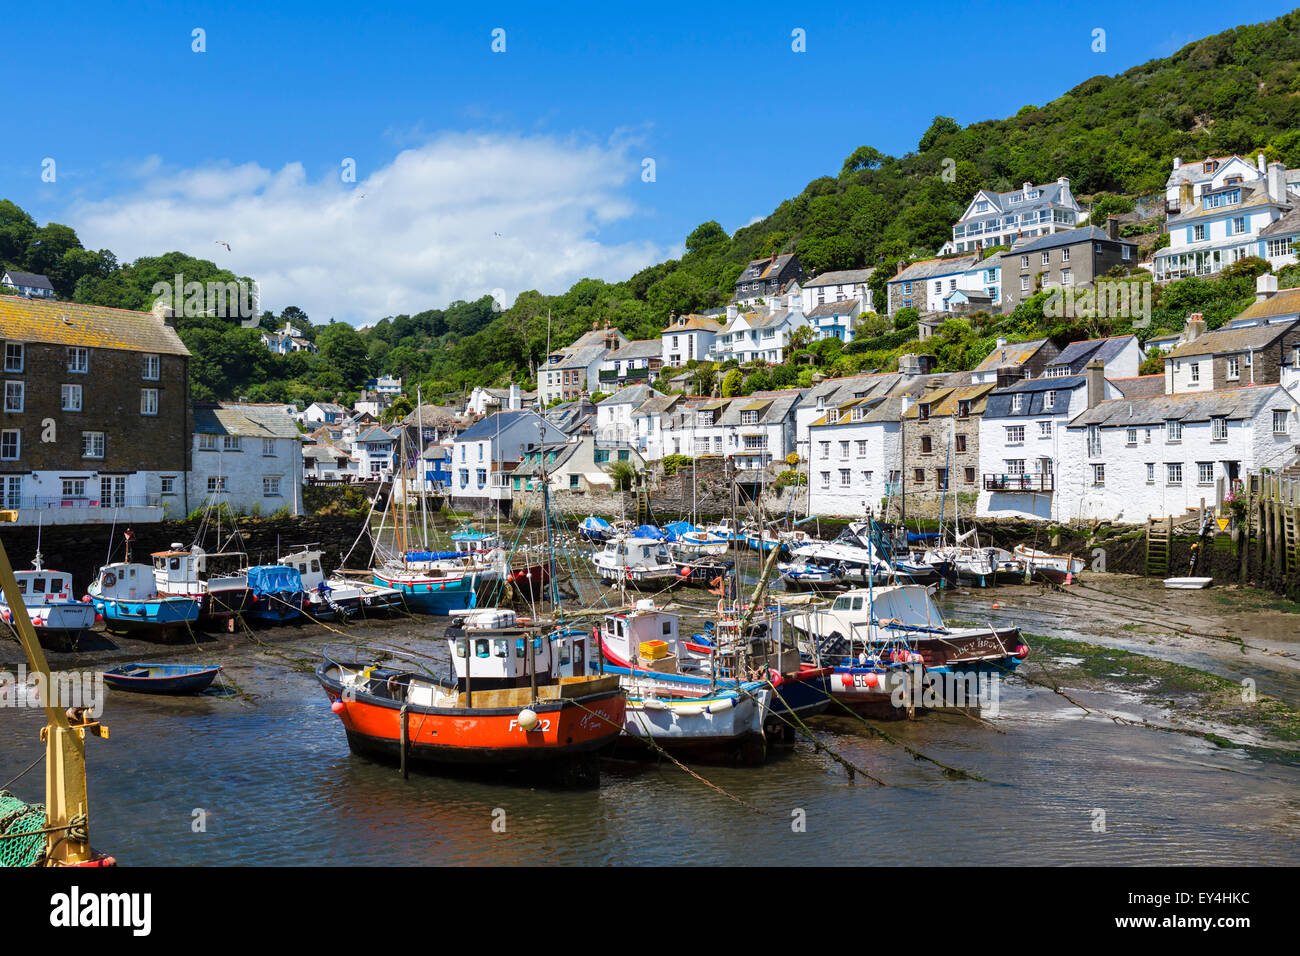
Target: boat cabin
187 572
493 648
125 582
44 587
636 553
470 541
308 566
642 637
764 643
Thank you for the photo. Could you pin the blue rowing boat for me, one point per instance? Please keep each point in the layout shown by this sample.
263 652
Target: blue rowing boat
162 678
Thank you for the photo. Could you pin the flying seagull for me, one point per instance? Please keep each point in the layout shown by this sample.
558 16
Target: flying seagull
221 243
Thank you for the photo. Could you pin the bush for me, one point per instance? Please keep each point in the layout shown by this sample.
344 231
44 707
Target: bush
672 462
787 478
623 474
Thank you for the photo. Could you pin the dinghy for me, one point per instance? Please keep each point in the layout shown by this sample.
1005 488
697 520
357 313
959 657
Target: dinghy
162 678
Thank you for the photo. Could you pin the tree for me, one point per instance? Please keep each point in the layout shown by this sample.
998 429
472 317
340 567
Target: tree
705 378
731 383
344 350
941 126
706 236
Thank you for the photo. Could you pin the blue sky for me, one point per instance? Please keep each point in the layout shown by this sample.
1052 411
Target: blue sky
538 149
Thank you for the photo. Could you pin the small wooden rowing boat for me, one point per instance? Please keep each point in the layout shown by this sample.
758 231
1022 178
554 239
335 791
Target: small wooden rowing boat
162 678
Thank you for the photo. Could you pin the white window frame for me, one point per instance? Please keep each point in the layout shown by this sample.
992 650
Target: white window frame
66 392
12 436
152 370
16 390
271 486
92 441
1174 472
149 401
78 360
15 367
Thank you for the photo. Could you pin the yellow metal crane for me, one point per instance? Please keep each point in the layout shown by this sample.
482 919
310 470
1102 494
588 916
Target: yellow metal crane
67 829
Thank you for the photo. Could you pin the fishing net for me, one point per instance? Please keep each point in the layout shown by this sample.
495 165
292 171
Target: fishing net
21 841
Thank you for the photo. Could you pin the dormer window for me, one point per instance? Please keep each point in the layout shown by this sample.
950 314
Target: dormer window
923 411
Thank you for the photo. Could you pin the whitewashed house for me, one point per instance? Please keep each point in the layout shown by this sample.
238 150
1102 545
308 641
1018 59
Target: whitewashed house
831 287
614 412
999 219
763 335
31 284
838 319
376 453
635 362
246 456
1128 459
1120 357
328 463
648 420
484 455
1022 440
483 401
856 450
574 369
688 337
326 413
926 285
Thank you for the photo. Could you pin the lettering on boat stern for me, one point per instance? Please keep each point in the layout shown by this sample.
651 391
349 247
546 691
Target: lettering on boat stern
75 909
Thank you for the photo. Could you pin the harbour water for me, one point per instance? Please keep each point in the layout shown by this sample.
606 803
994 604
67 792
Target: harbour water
264 777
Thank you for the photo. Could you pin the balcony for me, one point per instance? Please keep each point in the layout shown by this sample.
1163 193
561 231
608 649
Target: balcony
1040 483
59 510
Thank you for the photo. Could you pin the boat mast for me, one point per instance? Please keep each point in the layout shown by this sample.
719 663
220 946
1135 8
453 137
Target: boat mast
419 469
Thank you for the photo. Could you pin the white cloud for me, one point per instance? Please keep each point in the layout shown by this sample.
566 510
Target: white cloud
455 218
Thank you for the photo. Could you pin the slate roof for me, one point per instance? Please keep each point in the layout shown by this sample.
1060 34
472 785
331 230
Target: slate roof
999 404
1234 339
768 268
1194 171
656 405
31 280
692 323
1070 237
1013 353
846 277
1233 403
1141 386
93 326
929 268
843 307
375 434
1051 195
581 357
487 427
641 348
630 395
244 420
1288 225
1077 355
943 400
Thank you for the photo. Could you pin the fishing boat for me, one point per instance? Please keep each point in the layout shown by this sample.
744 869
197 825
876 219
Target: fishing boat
520 696
126 596
219 582
1055 568
688 541
162 678
809 575
469 540
728 529
595 529
47 595
278 594
875 637
704 571
337 596
691 714
641 562
859 556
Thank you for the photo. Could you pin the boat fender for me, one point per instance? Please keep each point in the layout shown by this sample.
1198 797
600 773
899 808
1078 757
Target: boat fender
651 704
775 677
1022 651
847 681
86 599
870 679
337 706
718 706
110 579
692 711
527 719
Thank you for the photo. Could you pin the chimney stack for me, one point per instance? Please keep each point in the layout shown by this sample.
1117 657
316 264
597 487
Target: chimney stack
1195 327
1112 228
1095 374
902 264
1277 182
1177 162
1259 161
1002 343
1265 287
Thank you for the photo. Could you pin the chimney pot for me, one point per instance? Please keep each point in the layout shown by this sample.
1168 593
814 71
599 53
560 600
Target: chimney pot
1265 287
1178 162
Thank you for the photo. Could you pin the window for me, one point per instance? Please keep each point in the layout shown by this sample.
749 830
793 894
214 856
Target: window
923 411
961 442
866 477
844 478
151 368
464 476
749 418
92 444
1046 258
1234 367
1219 429
148 401
1015 466
1147 439
73 487
271 487
1131 438
112 491
1067 277
480 477
918 475
963 408
1098 474
826 479
925 445
1174 472
1065 256
216 484
970 476
1237 226
1279 422
268 447
13 396
230 443
1024 283
1044 429
1015 434
1049 400
168 486
941 479
11 491
10 444
71 398
1017 402
1173 431
1024 263
207 442
1094 441
1198 233
1195 368
13 356
1205 472
862 448
844 449
1151 473
79 360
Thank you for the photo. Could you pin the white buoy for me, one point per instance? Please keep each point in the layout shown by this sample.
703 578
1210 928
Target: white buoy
527 718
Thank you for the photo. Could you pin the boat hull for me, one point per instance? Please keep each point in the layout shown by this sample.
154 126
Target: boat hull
173 679
434 594
154 616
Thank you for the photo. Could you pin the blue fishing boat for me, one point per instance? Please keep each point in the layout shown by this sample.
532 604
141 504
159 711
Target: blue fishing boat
277 593
595 529
127 597
162 678
648 531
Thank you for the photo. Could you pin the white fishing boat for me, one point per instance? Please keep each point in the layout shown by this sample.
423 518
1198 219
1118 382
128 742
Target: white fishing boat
638 561
219 580
1188 584
1057 568
336 595
50 605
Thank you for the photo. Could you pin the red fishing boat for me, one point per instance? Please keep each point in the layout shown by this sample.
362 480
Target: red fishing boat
521 696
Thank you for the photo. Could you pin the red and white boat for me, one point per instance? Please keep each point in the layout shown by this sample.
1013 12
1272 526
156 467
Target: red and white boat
521 696
1057 568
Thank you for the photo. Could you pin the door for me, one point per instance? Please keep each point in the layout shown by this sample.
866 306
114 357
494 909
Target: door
579 657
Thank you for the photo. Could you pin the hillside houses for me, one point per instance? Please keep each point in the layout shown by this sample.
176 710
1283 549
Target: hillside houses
31 284
764 278
833 287
1001 219
763 334
688 337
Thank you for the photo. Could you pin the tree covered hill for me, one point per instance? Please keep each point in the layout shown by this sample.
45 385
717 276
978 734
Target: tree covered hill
1234 92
